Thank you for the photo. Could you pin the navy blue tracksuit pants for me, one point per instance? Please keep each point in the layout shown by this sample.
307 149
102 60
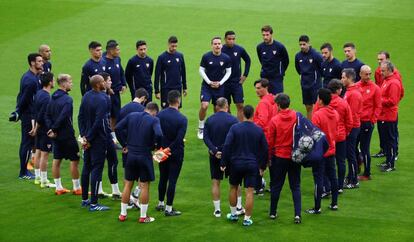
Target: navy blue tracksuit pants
340 156
319 169
26 144
365 144
93 164
351 156
278 170
389 138
112 158
169 172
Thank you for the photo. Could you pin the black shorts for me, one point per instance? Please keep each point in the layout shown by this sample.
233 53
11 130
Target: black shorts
66 149
215 171
233 89
247 173
115 105
43 142
139 167
164 97
211 94
309 95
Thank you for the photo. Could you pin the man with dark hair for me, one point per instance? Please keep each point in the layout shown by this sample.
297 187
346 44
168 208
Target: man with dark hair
215 69
93 66
174 127
245 153
136 105
29 85
60 124
138 133
170 72
274 59
308 65
215 131
46 52
331 67
354 98
43 143
233 87
280 150
326 119
139 69
351 60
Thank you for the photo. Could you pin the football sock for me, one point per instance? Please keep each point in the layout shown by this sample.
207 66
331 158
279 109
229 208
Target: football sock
143 210
168 208
124 209
233 210
161 203
37 173
43 176
76 184
115 189
201 124
246 217
216 205
239 202
100 190
58 183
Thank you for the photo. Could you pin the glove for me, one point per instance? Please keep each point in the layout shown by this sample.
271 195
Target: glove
14 117
161 155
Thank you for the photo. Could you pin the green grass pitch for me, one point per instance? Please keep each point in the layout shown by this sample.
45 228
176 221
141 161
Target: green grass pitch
381 210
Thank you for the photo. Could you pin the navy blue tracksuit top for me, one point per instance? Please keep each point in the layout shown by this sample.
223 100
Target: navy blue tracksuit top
331 70
274 59
89 69
308 66
114 68
130 107
29 85
138 73
236 54
216 129
41 101
174 127
59 115
356 65
170 72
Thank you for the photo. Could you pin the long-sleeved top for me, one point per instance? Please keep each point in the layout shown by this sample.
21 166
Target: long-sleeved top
89 69
308 66
29 85
236 54
130 108
173 126
170 72
371 101
331 70
245 144
216 129
274 59
114 68
59 115
265 110
326 119
47 66
41 101
390 98
281 133
356 65
354 98
138 73
379 79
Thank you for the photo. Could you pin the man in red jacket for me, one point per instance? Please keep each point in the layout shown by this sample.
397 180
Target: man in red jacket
371 108
280 150
354 98
326 119
390 98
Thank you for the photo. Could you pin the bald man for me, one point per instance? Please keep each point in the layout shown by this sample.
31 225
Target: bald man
46 52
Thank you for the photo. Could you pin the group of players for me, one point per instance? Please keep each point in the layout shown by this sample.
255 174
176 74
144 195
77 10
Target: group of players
340 99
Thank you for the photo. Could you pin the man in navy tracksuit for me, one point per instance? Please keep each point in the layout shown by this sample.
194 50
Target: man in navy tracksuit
46 52
174 127
139 69
93 66
331 67
94 130
59 122
139 133
351 60
308 65
215 131
245 152
233 87
29 85
170 72
274 59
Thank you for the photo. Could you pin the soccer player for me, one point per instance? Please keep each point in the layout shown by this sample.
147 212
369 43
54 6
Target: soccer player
139 69
174 127
233 87
326 119
245 154
371 108
94 130
93 66
308 65
354 98
215 131
280 149
215 69
274 59
390 98
43 143
331 67
170 72
59 122
351 60
29 84
46 52
139 141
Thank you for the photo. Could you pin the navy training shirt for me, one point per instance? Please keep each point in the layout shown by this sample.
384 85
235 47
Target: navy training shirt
130 107
41 101
29 85
114 68
236 54
331 70
308 66
138 73
170 72
59 115
274 59
356 65
89 69
216 129
174 127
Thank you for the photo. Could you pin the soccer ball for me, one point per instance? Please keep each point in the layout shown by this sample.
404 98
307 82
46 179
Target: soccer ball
317 135
297 156
305 143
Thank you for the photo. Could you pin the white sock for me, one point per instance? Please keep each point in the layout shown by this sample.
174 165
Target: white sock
113 135
143 210
37 173
216 205
115 189
246 217
233 210
239 202
201 124
124 208
100 190
58 183
136 192
168 208
160 203
43 176
76 184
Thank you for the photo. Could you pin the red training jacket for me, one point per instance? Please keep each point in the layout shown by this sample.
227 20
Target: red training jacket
326 118
379 79
281 133
354 98
371 101
390 98
264 113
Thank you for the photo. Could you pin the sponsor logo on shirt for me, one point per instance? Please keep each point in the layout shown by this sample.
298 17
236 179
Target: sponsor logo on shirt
103 68
264 53
96 70
137 66
300 61
330 69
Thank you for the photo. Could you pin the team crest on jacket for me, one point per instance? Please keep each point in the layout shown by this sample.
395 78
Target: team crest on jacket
177 59
210 63
96 70
264 53
235 53
368 91
109 68
169 61
103 68
49 146
137 66
147 64
117 65
330 69
300 61
310 61
274 52
221 63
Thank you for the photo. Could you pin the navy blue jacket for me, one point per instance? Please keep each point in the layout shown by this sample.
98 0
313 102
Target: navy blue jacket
174 127
89 69
41 101
331 70
236 53
215 65
245 144
29 85
308 66
170 72
139 132
138 73
47 66
274 59
216 129
130 108
356 65
93 117
114 68
59 115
